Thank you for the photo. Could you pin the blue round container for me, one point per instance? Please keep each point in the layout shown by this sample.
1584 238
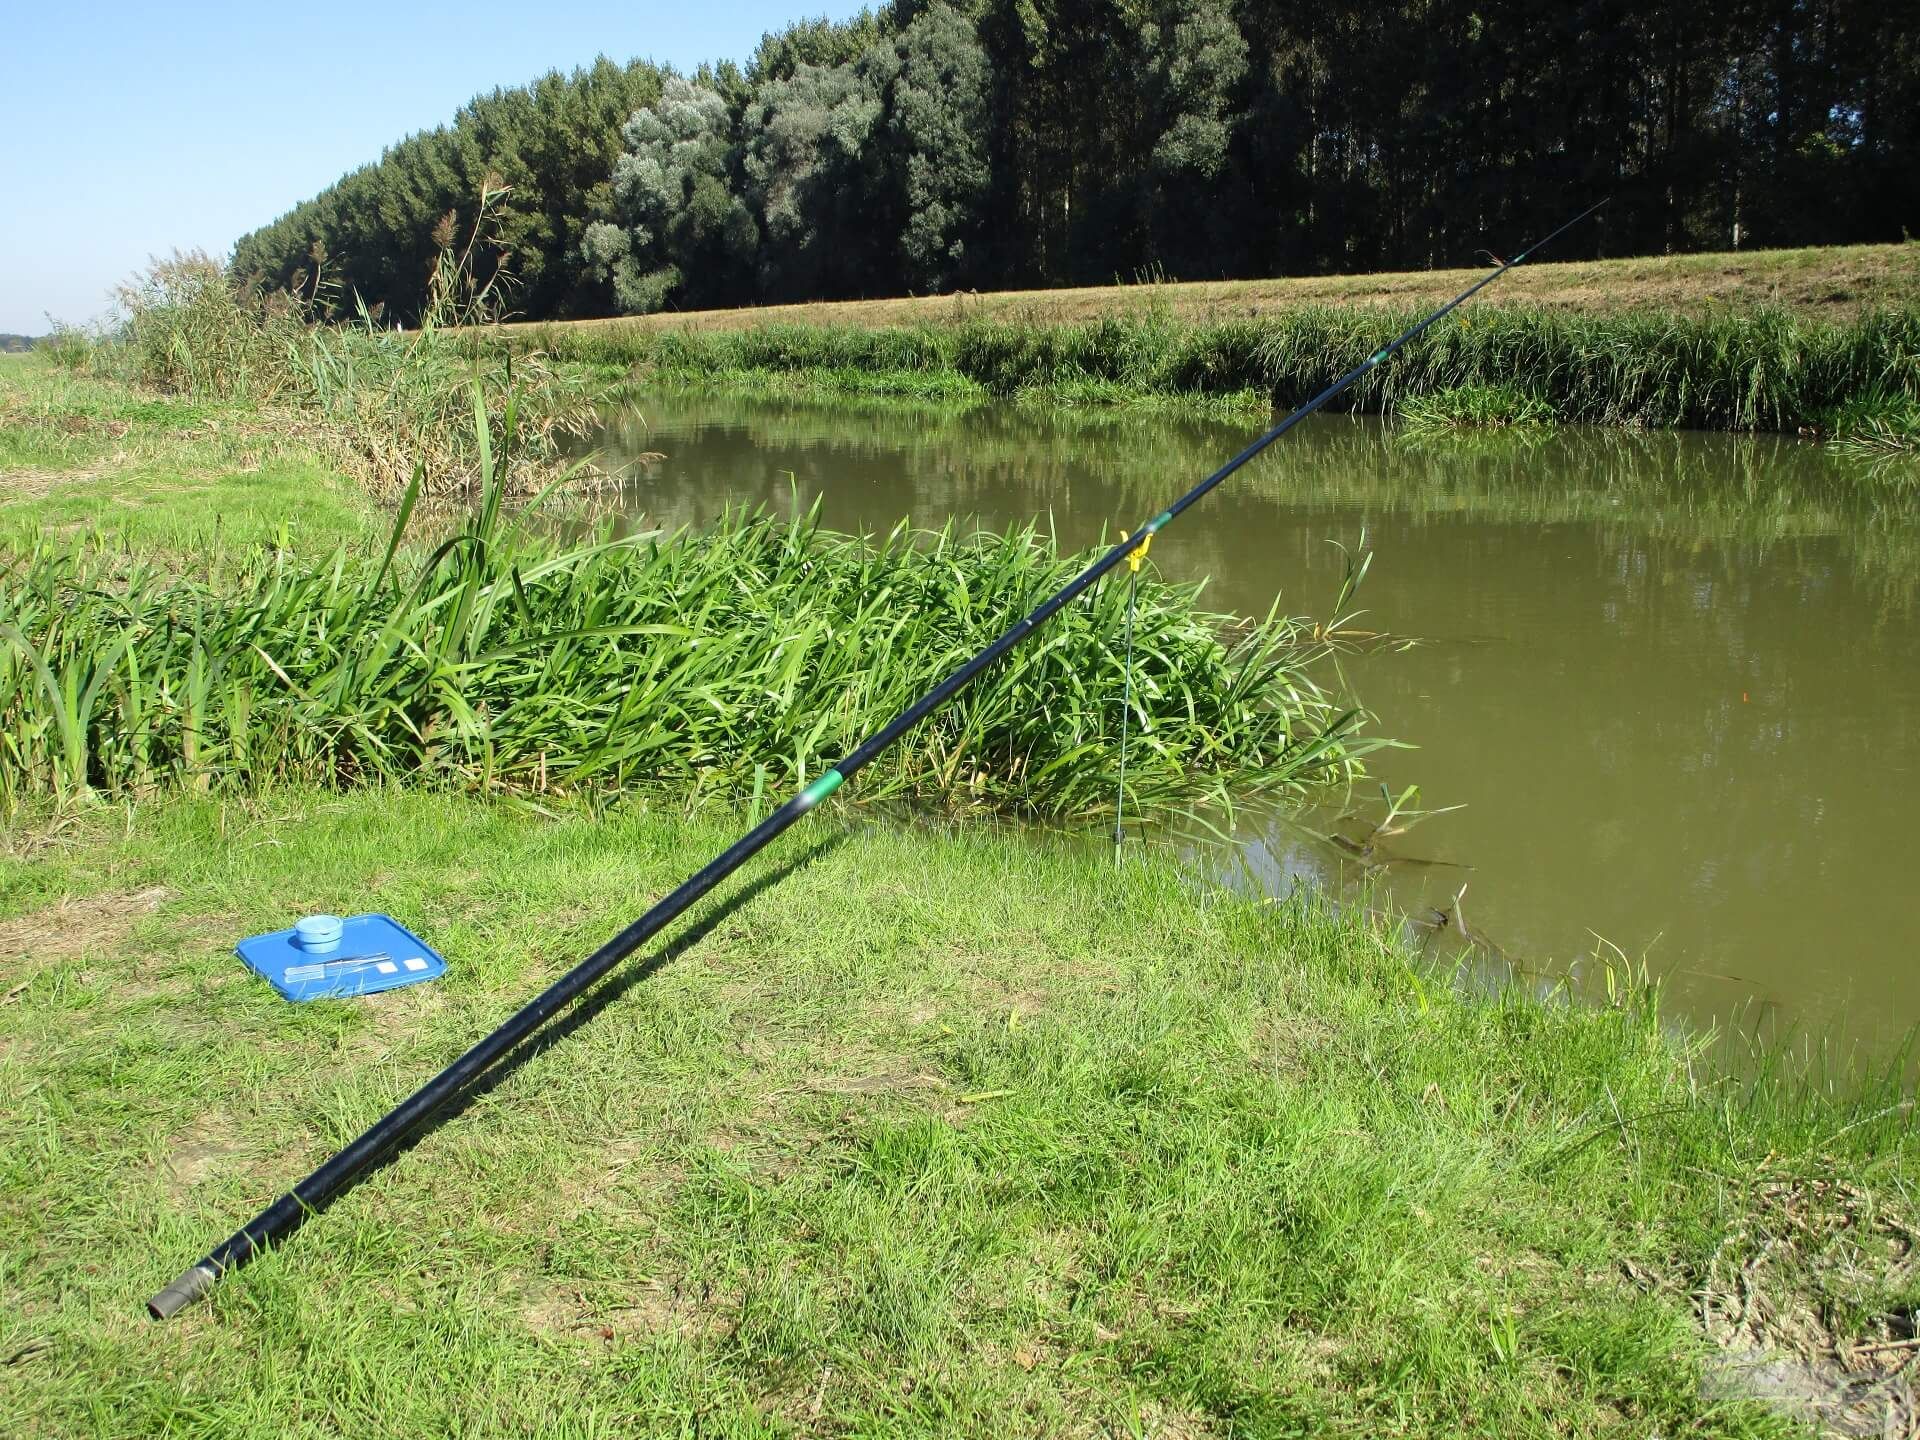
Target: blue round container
317 934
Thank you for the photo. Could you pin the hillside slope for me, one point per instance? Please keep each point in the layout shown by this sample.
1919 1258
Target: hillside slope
1836 282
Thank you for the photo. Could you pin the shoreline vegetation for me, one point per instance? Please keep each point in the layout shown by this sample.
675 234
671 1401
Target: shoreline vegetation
398 411
927 1126
1856 379
732 662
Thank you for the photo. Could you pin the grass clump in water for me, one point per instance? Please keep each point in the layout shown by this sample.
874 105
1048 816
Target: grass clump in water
1475 407
740 660
1878 425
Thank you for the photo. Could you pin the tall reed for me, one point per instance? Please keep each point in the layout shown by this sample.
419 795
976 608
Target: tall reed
738 661
381 401
1723 370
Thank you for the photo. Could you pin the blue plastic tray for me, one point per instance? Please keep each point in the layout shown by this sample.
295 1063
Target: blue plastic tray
376 953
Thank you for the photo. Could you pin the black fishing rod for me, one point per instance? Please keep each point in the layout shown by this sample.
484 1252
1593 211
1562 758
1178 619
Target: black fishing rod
314 1193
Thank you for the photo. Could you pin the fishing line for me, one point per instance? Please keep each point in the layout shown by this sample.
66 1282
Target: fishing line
335 1175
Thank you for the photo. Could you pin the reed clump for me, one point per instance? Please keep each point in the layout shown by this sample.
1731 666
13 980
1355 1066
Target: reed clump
1475 407
1721 370
1880 425
381 403
735 662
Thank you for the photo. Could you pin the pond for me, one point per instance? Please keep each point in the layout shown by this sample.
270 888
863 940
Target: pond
1671 680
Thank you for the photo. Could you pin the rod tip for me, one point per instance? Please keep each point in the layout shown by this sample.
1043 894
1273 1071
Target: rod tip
191 1285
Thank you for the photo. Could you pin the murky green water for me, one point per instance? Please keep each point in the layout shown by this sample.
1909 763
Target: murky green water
1672 679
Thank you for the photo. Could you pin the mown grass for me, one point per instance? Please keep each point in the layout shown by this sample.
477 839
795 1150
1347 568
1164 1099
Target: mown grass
1750 370
920 1132
1817 282
137 468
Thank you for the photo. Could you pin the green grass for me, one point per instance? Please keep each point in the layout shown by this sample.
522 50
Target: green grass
52 418
739 660
301 500
1475 407
153 472
1761 369
388 407
1881 424
945 1132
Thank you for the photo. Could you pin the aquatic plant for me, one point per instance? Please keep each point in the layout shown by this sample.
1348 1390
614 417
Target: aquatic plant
1720 370
1475 407
739 660
1877 425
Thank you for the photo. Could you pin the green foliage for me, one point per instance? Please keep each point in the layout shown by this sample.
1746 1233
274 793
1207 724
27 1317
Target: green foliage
807 142
818 42
551 145
680 226
1881 423
747 656
190 329
1475 407
385 403
938 86
1752 371
817 181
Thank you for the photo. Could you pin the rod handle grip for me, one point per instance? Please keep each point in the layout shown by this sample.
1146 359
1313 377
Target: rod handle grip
191 1285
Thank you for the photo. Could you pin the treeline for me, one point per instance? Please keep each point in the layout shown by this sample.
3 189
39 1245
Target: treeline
11 344
998 143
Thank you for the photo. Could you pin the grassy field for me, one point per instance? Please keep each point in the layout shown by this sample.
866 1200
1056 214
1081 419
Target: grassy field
150 471
915 1132
1835 282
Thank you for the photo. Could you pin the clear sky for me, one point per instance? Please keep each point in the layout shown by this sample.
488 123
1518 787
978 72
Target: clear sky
132 130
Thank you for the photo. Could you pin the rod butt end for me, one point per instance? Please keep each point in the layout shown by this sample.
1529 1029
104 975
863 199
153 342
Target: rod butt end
191 1285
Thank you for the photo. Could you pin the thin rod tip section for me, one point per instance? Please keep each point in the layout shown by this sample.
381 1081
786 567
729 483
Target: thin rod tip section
191 1285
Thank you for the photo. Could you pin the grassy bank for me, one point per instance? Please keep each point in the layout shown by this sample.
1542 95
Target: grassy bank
945 1132
1818 282
502 656
742 659
144 469
390 408
1722 370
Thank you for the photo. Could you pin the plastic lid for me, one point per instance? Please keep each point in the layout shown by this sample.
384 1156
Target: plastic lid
316 930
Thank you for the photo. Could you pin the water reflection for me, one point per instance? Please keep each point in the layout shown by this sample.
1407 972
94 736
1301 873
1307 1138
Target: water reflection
1673 678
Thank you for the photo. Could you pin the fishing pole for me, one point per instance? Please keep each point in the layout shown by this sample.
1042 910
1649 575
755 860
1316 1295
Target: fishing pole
314 1193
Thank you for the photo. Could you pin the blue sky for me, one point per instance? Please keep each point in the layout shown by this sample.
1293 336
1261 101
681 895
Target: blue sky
132 130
